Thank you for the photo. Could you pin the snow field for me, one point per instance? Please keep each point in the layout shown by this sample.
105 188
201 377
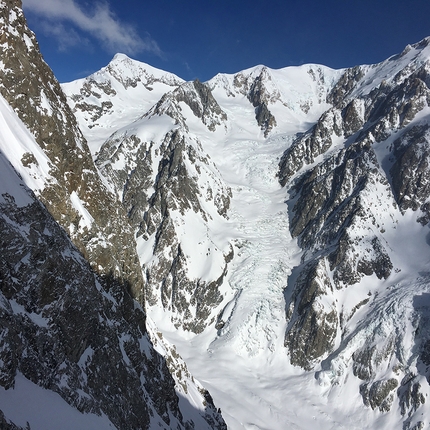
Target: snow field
17 144
234 364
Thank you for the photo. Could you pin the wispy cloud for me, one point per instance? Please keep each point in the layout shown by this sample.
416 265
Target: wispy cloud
99 21
65 37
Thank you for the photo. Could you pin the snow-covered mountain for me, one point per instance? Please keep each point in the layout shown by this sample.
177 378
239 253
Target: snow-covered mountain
281 221
270 225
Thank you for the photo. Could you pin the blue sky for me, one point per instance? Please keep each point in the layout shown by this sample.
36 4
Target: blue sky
200 38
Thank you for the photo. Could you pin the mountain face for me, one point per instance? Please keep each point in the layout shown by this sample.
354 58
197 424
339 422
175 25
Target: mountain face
63 332
265 232
281 218
162 169
374 169
74 335
363 171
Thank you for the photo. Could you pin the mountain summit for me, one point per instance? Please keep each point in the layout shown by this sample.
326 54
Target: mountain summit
265 232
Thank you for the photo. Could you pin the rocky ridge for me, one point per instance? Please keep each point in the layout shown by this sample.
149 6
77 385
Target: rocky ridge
64 331
164 183
72 186
123 85
354 176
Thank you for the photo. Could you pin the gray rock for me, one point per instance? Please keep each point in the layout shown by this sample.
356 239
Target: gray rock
198 96
409 173
152 191
259 98
67 327
379 394
312 329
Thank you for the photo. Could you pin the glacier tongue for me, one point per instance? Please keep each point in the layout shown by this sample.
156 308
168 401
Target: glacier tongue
254 319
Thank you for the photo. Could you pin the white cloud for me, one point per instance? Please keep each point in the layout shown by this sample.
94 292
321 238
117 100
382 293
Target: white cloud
66 37
100 22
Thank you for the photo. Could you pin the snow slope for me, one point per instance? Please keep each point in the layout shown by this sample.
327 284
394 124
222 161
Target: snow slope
17 144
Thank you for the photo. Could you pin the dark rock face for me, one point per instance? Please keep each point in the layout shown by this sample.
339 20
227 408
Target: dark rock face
379 394
314 328
198 97
331 205
30 88
305 149
257 95
67 330
411 397
256 91
345 85
410 179
7 424
264 118
208 106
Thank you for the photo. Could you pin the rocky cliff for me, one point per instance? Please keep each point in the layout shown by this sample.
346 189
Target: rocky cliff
167 183
72 186
65 330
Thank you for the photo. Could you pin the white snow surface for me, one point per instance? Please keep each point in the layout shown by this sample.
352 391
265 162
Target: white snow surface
15 143
245 365
45 410
86 218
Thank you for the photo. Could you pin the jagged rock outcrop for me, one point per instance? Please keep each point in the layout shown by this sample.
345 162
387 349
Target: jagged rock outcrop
409 172
73 188
259 98
379 394
198 97
333 203
313 317
68 331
